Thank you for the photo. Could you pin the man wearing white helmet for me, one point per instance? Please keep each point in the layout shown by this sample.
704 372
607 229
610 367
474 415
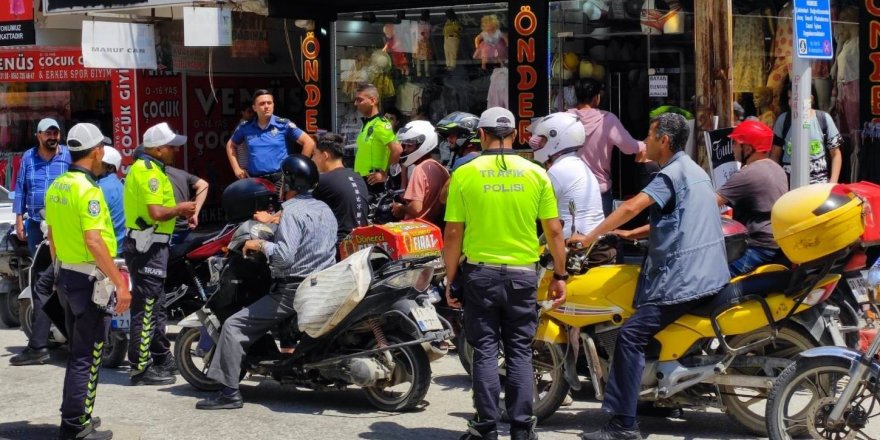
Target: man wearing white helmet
556 140
422 197
112 188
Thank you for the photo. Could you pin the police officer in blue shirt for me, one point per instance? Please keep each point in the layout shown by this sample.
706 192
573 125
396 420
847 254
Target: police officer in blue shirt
267 138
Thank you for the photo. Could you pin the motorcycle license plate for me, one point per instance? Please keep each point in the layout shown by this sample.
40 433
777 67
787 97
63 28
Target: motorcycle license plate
121 321
426 318
859 287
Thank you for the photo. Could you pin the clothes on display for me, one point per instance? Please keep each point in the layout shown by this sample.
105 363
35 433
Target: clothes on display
409 97
782 52
748 59
451 40
498 96
491 43
394 48
422 52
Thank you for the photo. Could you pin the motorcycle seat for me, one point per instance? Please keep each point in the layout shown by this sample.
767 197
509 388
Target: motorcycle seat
192 242
761 285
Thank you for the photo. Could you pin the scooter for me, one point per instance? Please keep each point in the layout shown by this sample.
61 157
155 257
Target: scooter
377 345
15 258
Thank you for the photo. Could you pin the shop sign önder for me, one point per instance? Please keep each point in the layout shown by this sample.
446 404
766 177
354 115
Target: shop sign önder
870 49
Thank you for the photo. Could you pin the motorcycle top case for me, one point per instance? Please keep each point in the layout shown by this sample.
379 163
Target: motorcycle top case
812 222
870 193
408 239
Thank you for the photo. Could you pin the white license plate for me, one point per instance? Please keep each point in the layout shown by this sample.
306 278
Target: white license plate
426 318
860 289
121 321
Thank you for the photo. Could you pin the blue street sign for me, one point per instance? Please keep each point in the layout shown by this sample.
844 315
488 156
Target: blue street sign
812 29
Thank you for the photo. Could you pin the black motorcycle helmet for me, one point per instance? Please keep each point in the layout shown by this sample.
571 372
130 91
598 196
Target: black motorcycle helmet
461 124
243 198
300 173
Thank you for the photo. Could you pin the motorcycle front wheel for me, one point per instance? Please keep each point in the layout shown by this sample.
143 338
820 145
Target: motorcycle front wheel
410 379
805 393
192 362
747 406
26 316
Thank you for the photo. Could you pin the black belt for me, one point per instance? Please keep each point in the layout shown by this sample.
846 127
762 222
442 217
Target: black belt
288 280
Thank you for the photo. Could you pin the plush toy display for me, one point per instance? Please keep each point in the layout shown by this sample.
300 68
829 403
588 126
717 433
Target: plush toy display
398 57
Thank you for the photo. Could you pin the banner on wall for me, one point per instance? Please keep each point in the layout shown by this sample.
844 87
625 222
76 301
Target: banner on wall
17 23
250 38
62 6
159 100
118 45
47 64
125 119
869 49
207 27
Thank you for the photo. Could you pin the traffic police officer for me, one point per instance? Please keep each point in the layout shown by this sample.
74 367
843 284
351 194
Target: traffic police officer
267 137
150 212
81 238
501 191
377 146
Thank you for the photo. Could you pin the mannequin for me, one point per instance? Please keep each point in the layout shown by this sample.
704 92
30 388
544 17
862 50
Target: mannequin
422 52
845 72
491 43
451 39
398 57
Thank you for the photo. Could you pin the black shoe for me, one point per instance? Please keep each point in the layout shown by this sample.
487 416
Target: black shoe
473 434
95 422
153 376
169 365
221 401
613 431
30 356
87 432
523 435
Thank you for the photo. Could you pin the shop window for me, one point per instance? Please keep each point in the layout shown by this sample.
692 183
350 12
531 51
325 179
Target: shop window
762 57
426 63
642 53
22 105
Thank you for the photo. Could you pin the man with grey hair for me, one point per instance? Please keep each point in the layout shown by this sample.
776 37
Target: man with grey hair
377 146
686 264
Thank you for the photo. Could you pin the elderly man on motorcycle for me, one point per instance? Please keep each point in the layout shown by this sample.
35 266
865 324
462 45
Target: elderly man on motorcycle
685 264
304 243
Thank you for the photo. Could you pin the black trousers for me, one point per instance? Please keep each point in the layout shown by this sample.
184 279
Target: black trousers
41 291
87 326
500 305
148 341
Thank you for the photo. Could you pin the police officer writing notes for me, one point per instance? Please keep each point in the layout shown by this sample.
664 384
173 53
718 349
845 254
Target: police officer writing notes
494 202
82 241
267 138
377 147
150 212
686 264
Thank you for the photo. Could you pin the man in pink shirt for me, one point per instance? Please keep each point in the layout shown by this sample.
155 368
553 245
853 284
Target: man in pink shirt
604 131
423 189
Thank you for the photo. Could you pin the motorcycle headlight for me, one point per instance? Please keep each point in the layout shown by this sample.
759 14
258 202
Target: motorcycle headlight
418 278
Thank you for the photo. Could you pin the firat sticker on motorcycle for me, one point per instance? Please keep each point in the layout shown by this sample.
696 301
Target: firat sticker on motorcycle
401 240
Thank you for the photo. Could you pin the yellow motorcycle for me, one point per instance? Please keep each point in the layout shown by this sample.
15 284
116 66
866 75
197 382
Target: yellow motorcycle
726 352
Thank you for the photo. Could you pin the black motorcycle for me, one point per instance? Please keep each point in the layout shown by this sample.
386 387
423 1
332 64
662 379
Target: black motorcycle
378 345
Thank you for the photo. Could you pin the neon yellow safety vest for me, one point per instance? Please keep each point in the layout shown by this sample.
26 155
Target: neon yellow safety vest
75 204
147 184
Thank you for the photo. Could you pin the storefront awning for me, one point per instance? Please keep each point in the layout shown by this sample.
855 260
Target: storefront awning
146 8
328 9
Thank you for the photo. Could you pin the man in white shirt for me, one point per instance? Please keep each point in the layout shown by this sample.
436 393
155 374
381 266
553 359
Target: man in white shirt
556 140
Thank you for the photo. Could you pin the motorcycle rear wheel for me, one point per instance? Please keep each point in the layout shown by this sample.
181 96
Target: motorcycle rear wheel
805 392
416 372
26 316
193 367
115 349
749 410
9 309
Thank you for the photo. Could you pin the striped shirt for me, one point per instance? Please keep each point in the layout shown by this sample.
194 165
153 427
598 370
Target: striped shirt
34 177
305 241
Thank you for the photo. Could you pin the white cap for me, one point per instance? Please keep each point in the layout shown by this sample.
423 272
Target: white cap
47 123
112 157
161 135
497 117
84 136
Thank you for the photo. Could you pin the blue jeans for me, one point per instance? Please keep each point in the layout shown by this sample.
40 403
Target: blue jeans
34 234
753 257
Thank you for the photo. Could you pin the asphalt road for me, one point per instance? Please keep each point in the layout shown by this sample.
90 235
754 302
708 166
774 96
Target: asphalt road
30 398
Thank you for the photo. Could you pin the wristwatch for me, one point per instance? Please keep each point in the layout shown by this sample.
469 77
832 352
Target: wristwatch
563 277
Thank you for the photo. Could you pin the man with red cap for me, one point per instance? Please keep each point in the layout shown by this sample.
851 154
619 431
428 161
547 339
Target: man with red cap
752 191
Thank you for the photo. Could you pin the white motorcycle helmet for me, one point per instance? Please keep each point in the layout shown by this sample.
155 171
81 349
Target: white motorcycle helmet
564 132
112 157
419 133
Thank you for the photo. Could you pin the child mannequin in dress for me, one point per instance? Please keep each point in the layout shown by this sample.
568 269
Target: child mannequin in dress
398 58
491 43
